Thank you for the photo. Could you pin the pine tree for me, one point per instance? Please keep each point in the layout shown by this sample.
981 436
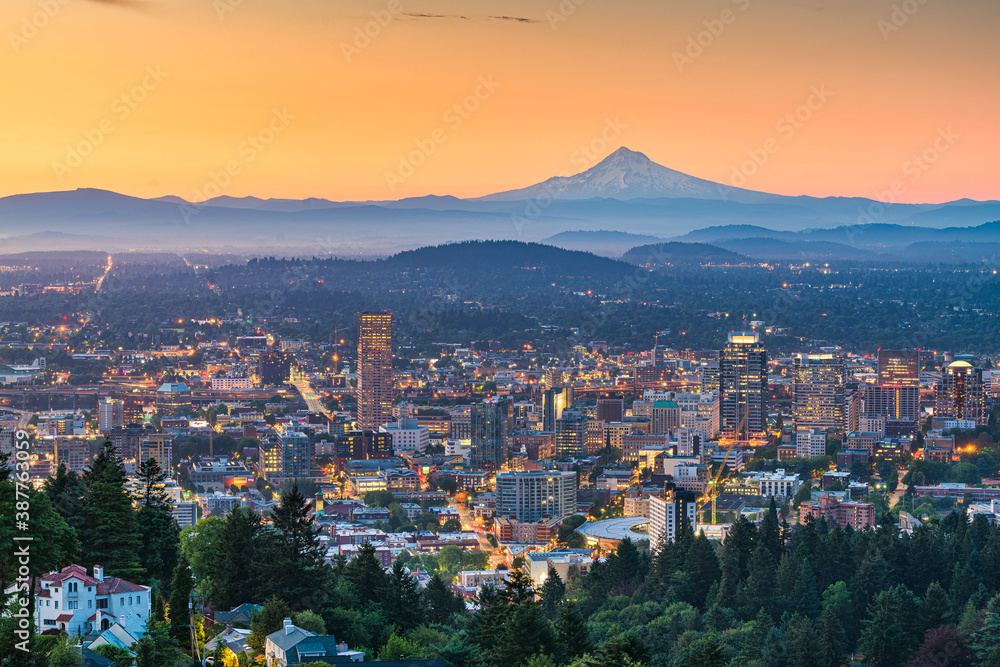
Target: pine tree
769 533
805 595
802 642
66 491
987 636
113 539
160 541
299 572
701 565
401 601
441 601
574 638
366 573
935 608
552 593
526 632
888 636
833 638
573 583
151 478
757 593
234 567
179 614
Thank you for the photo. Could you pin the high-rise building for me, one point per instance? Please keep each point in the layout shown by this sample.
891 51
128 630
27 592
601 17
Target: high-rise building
492 422
893 403
110 413
665 416
131 411
159 447
363 445
536 495
610 409
274 368
374 362
173 399
666 513
288 456
899 368
960 393
819 392
743 386
554 401
571 434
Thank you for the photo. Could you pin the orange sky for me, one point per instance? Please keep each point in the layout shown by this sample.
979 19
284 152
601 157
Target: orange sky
332 125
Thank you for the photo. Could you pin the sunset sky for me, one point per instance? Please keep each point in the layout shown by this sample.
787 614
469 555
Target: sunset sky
162 93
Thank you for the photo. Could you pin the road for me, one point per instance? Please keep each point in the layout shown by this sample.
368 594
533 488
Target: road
468 523
107 270
311 397
25 416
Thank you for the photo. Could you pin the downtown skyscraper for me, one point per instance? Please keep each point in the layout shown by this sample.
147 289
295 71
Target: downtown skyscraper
819 392
374 362
743 386
492 424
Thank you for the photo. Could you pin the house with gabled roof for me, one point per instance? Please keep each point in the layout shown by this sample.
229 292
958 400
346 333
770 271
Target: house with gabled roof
76 603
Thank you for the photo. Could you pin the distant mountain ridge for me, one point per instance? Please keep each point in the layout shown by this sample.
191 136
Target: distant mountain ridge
624 194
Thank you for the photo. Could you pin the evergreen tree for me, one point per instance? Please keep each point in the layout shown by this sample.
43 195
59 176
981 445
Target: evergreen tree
757 593
66 491
987 637
571 629
151 478
526 633
935 608
573 583
441 601
769 533
888 636
160 541
833 639
802 642
401 601
112 532
234 567
806 597
179 614
158 648
299 571
701 565
366 573
552 593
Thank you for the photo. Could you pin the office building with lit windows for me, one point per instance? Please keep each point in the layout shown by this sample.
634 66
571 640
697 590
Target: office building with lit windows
374 364
960 394
743 385
900 368
492 424
819 392
536 495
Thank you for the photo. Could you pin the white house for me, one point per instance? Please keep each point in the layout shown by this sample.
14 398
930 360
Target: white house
75 603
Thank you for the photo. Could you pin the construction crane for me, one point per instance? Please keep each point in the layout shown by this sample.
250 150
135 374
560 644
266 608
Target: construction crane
712 489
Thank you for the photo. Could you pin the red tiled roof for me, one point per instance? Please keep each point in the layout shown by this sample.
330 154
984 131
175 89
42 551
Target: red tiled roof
98 615
63 618
112 585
